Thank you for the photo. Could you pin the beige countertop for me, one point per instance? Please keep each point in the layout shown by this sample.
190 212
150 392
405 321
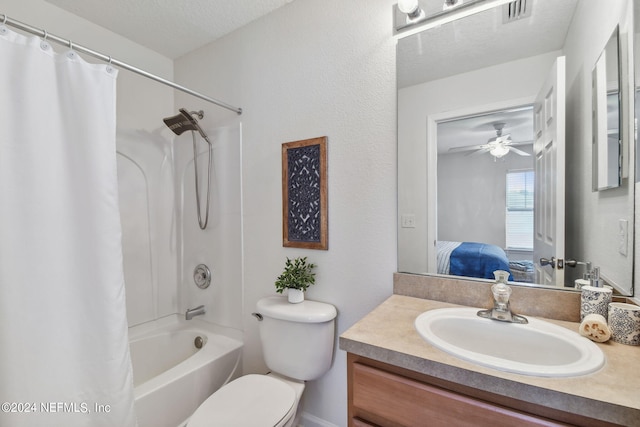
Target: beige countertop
387 334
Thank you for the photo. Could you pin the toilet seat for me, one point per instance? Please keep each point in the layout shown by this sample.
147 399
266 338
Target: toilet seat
248 401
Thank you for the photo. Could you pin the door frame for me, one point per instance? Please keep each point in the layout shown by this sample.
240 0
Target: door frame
432 161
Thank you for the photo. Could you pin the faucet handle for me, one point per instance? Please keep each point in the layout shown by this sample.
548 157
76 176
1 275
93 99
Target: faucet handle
501 294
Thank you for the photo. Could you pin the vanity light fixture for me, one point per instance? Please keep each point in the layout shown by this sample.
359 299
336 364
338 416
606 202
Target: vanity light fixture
411 8
409 18
448 4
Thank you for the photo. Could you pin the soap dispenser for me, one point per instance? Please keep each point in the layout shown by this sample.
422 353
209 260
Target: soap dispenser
595 297
594 278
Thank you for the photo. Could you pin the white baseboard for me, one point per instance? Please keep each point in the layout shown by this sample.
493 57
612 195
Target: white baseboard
308 420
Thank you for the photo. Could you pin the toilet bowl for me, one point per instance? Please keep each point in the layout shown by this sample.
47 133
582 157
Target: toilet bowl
297 341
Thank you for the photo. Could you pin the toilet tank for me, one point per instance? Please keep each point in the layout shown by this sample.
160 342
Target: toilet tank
297 339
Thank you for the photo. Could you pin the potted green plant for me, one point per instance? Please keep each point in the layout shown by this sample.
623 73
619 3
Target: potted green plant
296 278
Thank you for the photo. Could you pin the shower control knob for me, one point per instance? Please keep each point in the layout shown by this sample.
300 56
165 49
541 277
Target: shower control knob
202 276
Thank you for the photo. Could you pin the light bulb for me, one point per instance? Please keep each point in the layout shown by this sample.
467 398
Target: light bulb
408 6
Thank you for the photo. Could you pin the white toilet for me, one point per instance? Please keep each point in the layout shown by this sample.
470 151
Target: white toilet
297 342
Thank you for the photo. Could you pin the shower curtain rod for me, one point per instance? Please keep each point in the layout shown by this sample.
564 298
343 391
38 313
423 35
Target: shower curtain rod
79 48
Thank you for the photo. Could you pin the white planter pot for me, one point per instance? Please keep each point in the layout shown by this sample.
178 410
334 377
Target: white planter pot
295 295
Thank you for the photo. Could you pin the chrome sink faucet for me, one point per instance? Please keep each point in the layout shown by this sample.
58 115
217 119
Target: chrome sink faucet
501 308
192 312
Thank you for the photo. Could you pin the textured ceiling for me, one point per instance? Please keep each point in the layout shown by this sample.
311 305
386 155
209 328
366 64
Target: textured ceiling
477 42
482 40
171 27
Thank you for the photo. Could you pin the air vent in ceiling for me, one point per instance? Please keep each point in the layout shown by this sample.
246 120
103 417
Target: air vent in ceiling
515 10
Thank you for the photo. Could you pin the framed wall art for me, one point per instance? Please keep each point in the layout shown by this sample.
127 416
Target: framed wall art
304 194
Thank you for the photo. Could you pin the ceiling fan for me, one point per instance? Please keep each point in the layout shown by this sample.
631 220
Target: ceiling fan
498 146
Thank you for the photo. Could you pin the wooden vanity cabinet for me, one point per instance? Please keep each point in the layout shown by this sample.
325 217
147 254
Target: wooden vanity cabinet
388 396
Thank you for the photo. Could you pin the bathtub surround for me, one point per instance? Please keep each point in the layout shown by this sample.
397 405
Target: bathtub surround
63 321
220 245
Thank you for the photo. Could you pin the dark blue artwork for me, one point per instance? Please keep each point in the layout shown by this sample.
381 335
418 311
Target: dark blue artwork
304 215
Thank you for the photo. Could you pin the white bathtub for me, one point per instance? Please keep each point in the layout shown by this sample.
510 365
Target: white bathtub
171 376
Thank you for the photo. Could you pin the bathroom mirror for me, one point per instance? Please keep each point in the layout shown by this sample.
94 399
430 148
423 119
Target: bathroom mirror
606 117
493 63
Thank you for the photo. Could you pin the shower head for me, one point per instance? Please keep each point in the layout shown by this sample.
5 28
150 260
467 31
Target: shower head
185 121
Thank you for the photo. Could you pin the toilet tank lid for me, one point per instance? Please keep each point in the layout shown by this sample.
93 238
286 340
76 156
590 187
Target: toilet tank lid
304 312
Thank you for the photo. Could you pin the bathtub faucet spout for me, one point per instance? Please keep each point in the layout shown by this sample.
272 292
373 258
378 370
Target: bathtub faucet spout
192 312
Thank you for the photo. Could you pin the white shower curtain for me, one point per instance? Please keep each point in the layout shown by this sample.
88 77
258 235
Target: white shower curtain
64 355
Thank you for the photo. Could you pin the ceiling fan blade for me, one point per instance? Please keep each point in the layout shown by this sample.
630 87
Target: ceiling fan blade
503 139
479 152
517 151
513 144
465 148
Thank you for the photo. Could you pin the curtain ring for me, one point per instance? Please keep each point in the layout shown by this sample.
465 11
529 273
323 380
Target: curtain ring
72 53
109 68
43 44
3 26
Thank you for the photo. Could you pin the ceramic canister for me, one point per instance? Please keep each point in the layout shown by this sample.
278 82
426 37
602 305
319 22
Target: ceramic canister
624 321
594 300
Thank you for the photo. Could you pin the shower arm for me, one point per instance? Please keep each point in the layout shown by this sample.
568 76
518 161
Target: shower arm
199 113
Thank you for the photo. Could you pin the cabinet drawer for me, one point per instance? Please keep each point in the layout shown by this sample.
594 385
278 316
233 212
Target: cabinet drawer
393 400
357 422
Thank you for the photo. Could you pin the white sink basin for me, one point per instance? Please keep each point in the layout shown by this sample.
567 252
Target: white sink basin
538 348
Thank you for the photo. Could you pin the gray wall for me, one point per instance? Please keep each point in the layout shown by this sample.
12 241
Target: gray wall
472 196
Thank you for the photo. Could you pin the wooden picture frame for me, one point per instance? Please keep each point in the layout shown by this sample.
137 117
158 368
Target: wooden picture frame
304 194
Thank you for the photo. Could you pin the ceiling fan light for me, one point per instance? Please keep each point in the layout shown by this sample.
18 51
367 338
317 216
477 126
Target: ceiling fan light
499 151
